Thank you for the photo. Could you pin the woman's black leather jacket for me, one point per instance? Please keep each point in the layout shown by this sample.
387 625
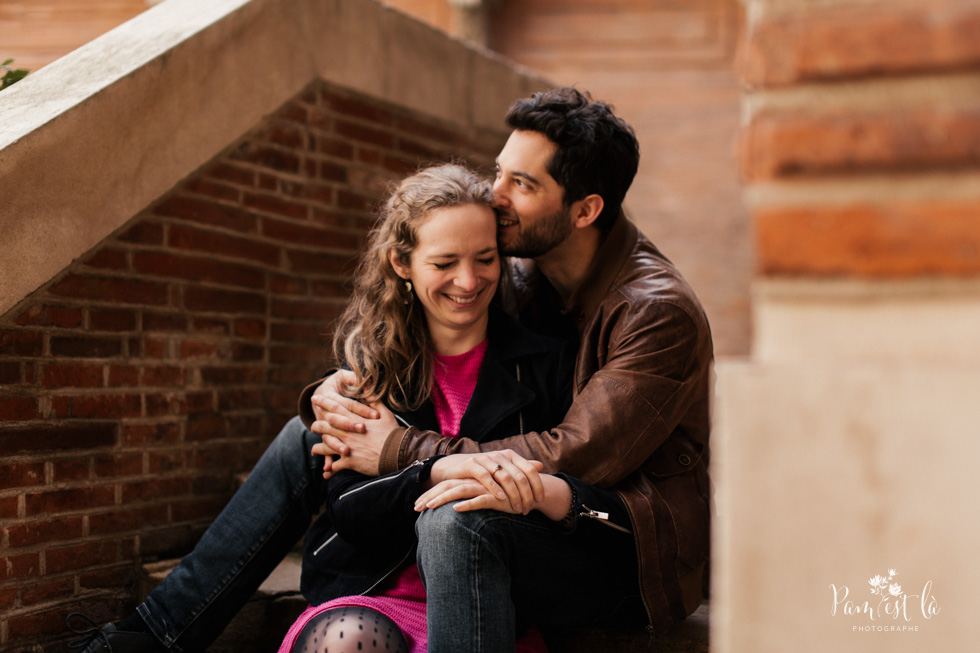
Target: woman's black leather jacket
367 530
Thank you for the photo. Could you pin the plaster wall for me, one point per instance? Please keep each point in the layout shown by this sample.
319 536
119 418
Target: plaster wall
911 323
857 470
844 447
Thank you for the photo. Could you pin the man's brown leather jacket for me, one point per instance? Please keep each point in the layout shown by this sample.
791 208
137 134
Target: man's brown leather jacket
639 420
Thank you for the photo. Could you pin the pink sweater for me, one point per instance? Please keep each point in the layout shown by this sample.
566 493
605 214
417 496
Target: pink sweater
454 384
404 600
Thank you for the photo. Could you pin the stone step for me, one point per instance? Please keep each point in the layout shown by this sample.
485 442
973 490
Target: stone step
260 626
689 636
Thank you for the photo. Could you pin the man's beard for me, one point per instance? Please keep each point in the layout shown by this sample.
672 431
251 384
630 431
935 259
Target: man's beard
541 237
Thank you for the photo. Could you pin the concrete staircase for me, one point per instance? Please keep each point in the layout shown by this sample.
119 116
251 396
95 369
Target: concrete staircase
260 626
262 623
690 636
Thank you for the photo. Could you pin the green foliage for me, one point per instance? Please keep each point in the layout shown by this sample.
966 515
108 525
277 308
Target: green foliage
11 75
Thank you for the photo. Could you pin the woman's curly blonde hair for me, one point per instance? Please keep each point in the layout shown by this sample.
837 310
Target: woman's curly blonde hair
382 335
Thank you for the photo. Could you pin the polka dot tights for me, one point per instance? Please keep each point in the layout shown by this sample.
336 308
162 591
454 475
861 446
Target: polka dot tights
350 629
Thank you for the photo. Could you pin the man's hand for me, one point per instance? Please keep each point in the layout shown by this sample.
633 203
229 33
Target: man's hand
504 475
361 450
342 413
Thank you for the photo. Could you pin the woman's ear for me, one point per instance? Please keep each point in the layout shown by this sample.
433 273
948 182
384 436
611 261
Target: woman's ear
400 268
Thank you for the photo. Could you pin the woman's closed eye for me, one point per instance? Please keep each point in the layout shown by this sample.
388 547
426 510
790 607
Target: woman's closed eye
483 261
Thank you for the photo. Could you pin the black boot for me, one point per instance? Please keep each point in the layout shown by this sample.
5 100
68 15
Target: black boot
109 639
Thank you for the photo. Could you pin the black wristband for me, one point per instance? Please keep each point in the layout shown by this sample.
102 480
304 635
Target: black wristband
426 465
569 520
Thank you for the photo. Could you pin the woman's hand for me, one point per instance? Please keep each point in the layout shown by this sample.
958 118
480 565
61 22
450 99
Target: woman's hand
472 495
469 492
504 475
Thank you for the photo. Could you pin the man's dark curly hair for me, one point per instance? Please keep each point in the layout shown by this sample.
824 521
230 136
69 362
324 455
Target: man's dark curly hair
597 151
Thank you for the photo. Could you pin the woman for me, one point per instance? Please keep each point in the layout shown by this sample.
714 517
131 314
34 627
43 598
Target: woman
421 336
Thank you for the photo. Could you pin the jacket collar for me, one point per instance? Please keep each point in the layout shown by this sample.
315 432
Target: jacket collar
498 393
606 265
509 339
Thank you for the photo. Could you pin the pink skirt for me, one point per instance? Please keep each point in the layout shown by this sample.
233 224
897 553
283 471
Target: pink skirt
404 604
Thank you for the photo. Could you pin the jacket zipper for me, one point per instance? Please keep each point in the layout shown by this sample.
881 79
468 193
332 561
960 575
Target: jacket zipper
380 480
329 540
639 576
520 413
602 517
383 577
389 572
358 489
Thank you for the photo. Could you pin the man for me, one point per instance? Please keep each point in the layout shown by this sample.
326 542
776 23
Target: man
637 430
638 425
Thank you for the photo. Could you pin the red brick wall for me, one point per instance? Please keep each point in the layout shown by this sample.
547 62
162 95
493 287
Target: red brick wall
40 31
666 67
138 383
867 127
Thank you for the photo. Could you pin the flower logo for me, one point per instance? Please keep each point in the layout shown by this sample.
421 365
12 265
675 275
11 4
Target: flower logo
883 587
882 584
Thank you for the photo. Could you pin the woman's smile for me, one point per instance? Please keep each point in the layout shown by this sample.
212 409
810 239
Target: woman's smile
463 300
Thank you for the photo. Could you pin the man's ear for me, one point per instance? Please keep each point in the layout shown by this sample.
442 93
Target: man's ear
587 210
400 268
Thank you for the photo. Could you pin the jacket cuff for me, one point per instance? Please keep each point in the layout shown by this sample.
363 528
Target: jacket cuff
388 460
305 406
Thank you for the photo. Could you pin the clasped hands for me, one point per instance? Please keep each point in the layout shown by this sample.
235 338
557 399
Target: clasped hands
354 433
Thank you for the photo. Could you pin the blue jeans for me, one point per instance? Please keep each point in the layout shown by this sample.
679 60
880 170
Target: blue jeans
488 573
254 532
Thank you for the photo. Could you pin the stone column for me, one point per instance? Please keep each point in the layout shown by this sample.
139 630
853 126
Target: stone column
846 446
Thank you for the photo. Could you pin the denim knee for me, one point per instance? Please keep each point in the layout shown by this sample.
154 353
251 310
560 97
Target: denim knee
291 448
444 533
291 434
444 524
